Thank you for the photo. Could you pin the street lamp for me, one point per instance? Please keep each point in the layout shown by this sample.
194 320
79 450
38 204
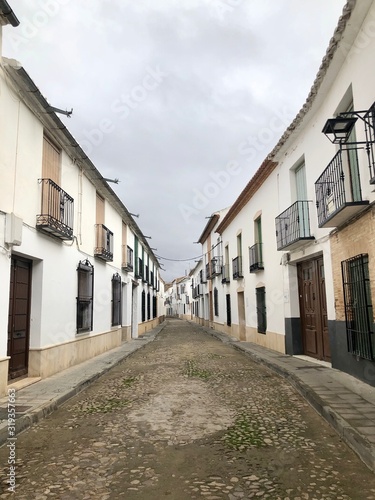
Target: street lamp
340 128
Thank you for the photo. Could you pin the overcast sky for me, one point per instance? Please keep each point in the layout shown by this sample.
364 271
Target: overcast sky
179 99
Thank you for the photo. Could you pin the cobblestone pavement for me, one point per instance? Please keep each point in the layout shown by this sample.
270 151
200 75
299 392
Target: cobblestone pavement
186 417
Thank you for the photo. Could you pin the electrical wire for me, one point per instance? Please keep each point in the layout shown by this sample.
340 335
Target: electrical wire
188 260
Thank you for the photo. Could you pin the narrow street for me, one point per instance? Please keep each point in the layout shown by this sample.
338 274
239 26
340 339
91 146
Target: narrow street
186 417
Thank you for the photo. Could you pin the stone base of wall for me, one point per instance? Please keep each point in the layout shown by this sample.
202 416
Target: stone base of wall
126 333
45 362
271 340
146 326
4 367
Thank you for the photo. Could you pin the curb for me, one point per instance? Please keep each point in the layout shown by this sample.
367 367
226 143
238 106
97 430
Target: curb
26 421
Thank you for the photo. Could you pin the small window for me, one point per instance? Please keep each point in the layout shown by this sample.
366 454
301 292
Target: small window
229 311
143 305
216 302
85 276
116 300
154 306
261 309
148 306
358 306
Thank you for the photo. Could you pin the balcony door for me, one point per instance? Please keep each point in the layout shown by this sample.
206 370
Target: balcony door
353 167
313 309
301 192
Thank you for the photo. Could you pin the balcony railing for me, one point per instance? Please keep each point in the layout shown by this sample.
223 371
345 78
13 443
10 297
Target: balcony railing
57 211
237 268
127 258
139 269
104 243
293 226
226 274
256 258
208 271
338 193
202 277
216 266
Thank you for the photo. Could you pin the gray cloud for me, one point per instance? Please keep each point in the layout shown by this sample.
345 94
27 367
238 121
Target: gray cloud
225 69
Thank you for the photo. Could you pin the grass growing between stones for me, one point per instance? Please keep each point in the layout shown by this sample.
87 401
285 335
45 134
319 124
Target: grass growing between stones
129 381
244 434
193 370
105 406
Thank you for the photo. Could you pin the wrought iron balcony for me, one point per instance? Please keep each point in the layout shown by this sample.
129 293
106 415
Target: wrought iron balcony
139 270
226 274
127 258
202 277
216 266
208 271
237 268
293 226
338 192
104 243
256 258
57 211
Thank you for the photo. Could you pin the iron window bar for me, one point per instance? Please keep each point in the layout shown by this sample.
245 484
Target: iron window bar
358 306
237 268
116 300
57 209
85 295
256 258
104 243
293 224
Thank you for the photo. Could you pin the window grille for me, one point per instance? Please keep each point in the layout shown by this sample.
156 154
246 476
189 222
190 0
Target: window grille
229 312
261 309
148 306
358 306
116 300
143 305
85 295
154 306
216 302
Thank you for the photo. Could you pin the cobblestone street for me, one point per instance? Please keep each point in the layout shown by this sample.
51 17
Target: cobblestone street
186 417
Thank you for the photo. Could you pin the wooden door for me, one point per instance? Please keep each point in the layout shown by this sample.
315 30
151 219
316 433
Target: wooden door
19 317
313 309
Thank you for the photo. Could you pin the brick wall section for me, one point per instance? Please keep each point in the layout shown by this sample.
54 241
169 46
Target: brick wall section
354 239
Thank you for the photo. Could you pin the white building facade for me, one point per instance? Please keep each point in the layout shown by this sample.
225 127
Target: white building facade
298 245
78 275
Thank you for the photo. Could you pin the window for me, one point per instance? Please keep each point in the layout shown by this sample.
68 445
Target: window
358 306
261 309
85 276
148 306
229 312
143 305
154 306
116 300
216 302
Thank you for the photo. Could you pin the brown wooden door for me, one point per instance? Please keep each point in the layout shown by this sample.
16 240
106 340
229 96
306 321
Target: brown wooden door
313 309
19 317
